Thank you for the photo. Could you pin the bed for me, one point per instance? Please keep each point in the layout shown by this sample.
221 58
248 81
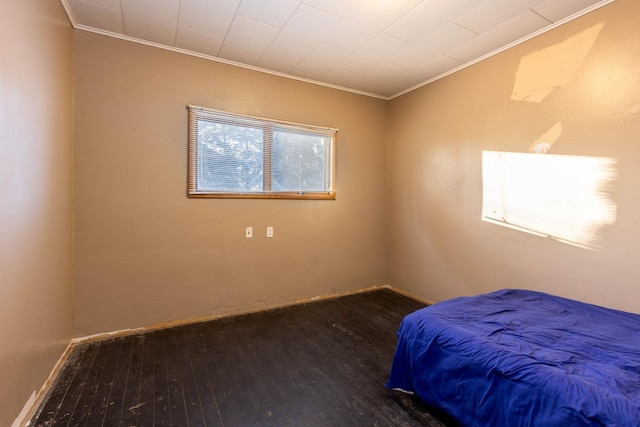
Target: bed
522 358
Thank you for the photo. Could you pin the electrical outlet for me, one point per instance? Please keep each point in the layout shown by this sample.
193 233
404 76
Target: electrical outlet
269 231
248 232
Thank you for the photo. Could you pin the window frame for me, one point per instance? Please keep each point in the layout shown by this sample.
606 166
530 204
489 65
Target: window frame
196 114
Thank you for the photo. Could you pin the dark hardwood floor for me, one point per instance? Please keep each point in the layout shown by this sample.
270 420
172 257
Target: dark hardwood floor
323 363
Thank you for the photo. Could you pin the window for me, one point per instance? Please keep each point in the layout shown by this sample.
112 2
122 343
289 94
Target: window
566 198
234 156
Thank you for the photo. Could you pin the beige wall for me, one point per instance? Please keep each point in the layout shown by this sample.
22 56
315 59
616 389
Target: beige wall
145 253
438 246
36 194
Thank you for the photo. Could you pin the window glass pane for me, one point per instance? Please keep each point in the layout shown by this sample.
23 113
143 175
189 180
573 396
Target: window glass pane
299 161
237 156
230 157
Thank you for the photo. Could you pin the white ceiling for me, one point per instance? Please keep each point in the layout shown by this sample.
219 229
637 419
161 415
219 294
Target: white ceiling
379 47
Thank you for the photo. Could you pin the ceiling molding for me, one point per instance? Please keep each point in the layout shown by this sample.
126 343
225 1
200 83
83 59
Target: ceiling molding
75 25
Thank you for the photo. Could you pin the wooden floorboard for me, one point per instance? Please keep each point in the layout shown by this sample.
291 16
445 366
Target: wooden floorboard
103 388
117 381
160 398
323 363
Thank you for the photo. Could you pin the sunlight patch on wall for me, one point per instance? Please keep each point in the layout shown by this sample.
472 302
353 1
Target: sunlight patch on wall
536 78
567 198
543 144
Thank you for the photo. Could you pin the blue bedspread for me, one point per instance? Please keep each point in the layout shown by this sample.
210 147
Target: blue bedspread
522 358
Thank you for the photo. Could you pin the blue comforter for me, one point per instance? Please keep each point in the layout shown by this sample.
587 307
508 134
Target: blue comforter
522 358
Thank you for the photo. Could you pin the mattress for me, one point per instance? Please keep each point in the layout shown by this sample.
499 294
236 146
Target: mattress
522 358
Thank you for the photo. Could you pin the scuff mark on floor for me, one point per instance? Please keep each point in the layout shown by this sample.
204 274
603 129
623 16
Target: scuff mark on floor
136 406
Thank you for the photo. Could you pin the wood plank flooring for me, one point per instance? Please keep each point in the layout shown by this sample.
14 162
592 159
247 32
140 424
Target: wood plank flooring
323 363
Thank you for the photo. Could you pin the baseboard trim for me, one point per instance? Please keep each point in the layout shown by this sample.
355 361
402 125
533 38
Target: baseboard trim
207 317
24 419
413 296
26 409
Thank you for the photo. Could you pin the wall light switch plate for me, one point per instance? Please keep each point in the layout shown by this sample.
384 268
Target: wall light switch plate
269 231
248 232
